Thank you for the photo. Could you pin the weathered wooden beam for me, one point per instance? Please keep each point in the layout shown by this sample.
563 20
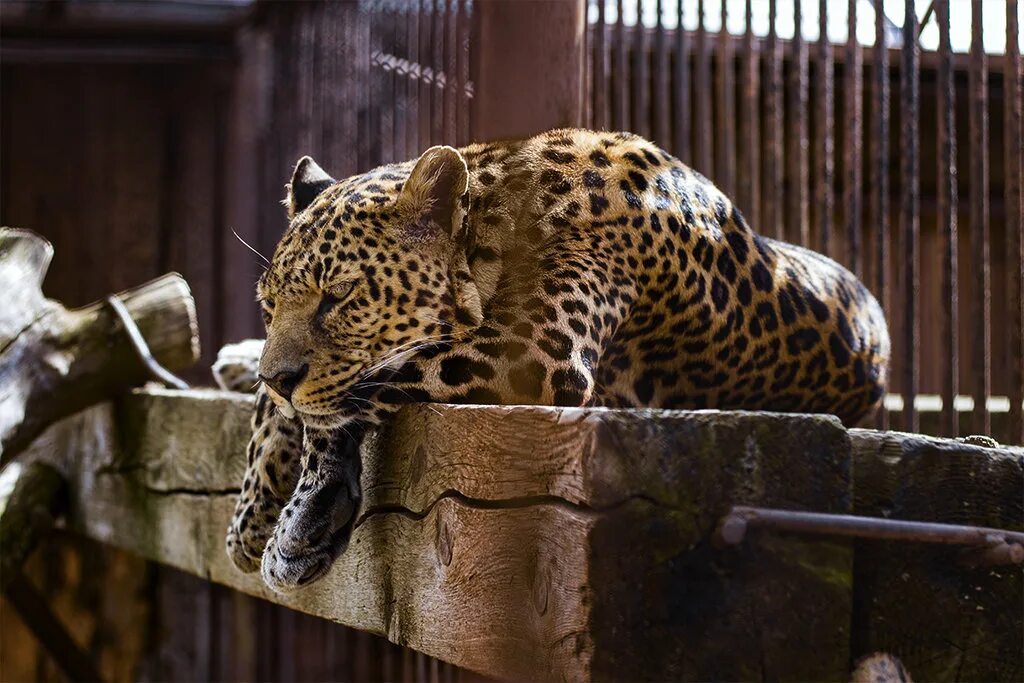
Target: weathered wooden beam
526 543
54 361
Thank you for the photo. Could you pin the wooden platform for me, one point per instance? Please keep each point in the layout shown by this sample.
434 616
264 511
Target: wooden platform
543 543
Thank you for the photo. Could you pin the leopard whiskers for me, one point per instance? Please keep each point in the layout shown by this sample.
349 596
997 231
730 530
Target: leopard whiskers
404 350
249 246
390 385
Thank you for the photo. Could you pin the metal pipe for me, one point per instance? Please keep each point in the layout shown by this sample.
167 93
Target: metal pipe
994 546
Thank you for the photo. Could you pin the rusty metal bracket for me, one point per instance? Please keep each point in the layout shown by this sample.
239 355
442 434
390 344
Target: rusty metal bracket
984 546
142 348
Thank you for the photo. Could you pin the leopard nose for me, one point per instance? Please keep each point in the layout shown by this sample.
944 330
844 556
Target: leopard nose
284 382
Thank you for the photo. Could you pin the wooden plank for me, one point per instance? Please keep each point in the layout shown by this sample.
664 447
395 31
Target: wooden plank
725 107
640 98
798 137
526 575
771 211
704 127
948 201
824 141
681 105
1013 185
880 218
853 136
910 214
749 196
980 348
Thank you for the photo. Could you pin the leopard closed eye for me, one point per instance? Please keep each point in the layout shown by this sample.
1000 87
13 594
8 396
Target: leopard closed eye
572 268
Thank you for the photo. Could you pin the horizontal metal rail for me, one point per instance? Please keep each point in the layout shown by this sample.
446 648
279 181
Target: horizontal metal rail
988 546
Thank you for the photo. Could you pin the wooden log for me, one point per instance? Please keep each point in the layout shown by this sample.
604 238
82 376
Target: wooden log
54 362
945 619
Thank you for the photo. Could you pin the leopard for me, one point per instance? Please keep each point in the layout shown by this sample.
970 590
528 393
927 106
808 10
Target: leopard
570 268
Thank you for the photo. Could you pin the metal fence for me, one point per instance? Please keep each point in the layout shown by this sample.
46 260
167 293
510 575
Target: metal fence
421 52
903 164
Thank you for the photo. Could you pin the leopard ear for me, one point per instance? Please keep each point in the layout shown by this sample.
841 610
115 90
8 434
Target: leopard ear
436 195
308 181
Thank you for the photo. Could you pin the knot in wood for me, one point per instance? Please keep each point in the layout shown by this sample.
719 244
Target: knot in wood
444 542
541 587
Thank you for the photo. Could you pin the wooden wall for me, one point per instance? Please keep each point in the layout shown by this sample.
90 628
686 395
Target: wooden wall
122 168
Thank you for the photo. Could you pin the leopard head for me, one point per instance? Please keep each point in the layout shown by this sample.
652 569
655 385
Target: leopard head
369 269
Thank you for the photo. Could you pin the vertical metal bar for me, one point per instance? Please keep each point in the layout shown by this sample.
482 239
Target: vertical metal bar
600 80
401 103
947 224
384 19
681 91
981 304
641 80
853 128
880 110
412 87
750 121
437 64
796 156
1014 222
704 126
586 111
824 114
661 76
620 73
369 129
462 103
451 69
425 86
725 95
910 213
773 224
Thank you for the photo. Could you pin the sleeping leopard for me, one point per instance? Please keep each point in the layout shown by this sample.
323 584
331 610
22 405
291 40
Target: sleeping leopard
573 268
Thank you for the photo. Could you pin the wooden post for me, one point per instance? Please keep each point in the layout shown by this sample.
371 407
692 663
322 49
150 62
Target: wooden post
528 66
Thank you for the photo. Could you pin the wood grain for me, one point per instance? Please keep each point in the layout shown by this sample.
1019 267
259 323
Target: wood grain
536 543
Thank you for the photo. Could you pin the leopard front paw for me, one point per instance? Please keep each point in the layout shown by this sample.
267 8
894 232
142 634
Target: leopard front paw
314 530
316 524
274 462
237 366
